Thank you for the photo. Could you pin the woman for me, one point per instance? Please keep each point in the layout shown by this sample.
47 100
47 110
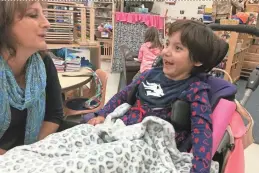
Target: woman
30 93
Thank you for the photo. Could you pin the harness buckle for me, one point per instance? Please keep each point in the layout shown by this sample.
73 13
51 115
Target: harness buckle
231 147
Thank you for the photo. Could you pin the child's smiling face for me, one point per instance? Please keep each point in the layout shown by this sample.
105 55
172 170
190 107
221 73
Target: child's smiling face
176 58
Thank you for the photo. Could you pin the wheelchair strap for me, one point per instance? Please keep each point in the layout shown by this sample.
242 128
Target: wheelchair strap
227 150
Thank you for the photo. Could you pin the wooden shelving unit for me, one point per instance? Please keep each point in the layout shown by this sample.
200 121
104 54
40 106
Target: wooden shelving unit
104 13
251 60
237 49
68 23
252 7
60 16
72 26
106 48
251 57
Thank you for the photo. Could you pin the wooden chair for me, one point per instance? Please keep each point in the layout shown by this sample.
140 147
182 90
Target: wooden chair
70 112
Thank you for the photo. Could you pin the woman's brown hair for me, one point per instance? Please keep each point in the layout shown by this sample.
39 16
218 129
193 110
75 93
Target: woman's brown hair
152 36
8 9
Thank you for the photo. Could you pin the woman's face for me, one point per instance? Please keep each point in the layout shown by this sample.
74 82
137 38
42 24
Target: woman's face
176 59
30 30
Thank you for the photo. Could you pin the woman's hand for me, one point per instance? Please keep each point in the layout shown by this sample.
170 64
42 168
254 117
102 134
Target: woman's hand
96 120
2 152
47 128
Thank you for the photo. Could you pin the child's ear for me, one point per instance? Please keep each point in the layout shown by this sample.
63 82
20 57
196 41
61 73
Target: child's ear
197 64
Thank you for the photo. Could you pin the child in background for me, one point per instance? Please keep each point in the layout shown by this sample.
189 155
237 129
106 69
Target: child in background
149 50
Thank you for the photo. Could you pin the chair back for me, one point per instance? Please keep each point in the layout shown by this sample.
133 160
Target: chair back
125 51
103 76
104 79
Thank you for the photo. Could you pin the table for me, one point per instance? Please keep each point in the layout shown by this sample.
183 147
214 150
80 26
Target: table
73 80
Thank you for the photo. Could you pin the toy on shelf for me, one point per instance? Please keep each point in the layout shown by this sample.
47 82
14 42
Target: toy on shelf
108 27
104 30
101 28
248 18
105 27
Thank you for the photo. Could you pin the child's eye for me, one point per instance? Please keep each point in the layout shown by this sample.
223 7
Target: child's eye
178 48
167 43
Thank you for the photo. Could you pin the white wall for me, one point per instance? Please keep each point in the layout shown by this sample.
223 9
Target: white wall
190 8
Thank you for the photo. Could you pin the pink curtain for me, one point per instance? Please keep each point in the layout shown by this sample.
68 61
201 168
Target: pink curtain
150 20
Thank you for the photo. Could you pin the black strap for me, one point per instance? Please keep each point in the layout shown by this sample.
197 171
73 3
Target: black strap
131 99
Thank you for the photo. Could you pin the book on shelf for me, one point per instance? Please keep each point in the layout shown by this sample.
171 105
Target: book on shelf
74 61
73 65
60 70
59 64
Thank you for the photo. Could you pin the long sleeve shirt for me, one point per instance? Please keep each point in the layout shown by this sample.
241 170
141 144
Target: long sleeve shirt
201 122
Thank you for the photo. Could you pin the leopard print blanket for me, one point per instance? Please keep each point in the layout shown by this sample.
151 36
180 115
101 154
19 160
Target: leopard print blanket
112 147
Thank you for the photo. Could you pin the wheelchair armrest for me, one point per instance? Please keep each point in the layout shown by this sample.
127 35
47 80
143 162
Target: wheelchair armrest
180 117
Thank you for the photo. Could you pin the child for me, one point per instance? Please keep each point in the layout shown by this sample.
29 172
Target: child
149 50
191 51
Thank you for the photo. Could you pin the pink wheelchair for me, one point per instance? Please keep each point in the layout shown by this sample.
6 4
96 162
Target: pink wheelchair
231 135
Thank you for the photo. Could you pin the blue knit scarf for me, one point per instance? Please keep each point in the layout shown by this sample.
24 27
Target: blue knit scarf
31 98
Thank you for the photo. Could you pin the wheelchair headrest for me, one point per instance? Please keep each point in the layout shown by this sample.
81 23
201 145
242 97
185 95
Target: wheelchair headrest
219 52
220 88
